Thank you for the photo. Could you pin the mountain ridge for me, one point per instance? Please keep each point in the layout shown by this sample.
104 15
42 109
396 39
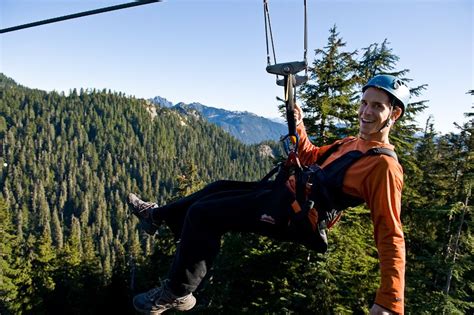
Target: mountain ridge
245 126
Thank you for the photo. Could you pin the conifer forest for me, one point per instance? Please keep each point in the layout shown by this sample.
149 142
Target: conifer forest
69 244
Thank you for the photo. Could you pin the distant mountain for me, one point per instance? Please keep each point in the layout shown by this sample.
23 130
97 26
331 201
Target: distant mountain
246 127
163 102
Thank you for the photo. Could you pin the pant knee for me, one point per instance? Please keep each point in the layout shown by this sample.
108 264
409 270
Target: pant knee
196 215
217 185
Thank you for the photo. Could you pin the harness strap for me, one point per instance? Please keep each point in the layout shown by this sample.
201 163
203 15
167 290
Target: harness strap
271 173
335 172
332 149
384 151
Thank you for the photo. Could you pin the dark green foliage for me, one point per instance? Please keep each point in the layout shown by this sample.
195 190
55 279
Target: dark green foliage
9 270
70 163
440 277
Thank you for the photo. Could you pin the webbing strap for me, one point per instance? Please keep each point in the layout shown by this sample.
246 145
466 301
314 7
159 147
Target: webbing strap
274 170
384 151
372 151
332 149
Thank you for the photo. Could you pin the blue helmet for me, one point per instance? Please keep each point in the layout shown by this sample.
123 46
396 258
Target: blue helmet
393 86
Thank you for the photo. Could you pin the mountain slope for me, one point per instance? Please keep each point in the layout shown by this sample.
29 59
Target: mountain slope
68 163
244 126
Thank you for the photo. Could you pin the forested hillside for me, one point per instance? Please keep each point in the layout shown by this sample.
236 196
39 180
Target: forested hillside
69 163
69 246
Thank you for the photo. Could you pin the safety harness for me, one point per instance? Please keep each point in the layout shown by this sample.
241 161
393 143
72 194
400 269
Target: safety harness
306 200
315 199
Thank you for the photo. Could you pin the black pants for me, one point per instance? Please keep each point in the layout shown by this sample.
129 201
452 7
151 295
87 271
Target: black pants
201 219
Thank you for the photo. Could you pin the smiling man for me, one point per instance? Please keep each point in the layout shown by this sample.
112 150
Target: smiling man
378 180
379 109
348 172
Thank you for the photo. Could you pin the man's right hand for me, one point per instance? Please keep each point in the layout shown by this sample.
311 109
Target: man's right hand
298 114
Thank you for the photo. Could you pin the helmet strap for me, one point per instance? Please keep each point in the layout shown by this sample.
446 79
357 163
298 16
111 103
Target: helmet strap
389 120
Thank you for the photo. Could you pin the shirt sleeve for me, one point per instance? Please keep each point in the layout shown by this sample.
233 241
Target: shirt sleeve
383 189
307 152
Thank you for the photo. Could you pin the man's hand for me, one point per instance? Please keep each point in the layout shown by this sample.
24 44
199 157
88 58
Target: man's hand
379 310
298 114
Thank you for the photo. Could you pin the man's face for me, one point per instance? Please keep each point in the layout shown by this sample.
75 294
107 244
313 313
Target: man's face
373 113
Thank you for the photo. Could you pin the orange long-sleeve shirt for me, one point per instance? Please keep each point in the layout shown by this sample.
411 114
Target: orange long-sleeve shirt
378 180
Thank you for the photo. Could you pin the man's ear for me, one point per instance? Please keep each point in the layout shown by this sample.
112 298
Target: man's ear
396 113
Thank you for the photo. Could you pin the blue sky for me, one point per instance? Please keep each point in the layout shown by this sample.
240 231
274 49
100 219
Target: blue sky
213 51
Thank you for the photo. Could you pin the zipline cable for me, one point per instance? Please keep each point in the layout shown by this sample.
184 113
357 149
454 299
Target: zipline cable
268 32
289 72
305 37
77 15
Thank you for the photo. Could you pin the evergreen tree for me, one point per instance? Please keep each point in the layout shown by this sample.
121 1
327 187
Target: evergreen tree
443 249
460 246
68 290
57 231
328 96
43 268
188 181
377 59
8 269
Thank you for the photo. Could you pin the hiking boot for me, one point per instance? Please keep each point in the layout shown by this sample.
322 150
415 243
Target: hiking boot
143 210
161 299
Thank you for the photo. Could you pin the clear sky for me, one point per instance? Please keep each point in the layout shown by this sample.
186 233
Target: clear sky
213 51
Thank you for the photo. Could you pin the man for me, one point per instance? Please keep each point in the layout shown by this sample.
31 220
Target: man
199 220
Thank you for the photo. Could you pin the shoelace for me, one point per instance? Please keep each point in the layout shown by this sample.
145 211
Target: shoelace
163 295
154 293
141 205
145 206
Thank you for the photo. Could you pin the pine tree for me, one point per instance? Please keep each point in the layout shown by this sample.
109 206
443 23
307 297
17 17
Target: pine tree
378 59
188 181
443 249
43 268
57 231
328 96
8 269
460 246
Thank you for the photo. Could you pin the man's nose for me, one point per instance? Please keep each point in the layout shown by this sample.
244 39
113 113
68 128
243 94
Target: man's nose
367 110
363 110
